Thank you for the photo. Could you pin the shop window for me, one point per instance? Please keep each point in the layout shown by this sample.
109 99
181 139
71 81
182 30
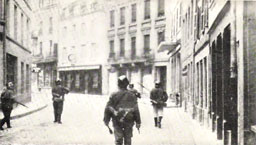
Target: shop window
77 80
95 80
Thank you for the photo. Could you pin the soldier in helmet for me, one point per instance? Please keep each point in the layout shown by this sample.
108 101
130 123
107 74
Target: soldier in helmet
7 101
122 108
131 88
158 98
58 94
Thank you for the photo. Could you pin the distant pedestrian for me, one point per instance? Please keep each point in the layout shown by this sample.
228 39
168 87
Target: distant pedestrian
7 101
58 94
177 99
158 99
136 93
123 109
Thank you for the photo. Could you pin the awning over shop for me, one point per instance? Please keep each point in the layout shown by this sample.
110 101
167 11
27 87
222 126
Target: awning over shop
85 67
170 46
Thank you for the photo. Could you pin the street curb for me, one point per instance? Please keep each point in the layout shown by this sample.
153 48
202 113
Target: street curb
28 113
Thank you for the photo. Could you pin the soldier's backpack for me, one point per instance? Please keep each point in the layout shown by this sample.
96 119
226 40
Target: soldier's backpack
126 106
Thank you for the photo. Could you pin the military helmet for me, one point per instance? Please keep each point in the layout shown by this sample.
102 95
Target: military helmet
58 82
123 82
157 84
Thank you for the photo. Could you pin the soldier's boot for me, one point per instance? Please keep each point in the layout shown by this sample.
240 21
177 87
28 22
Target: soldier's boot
8 124
1 124
55 117
59 119
155 119
159 122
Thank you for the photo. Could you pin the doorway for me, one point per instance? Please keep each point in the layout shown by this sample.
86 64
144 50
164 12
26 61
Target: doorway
11 70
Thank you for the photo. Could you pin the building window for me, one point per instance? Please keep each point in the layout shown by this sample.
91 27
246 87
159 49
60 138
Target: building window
161 8
133 47
28 32
122 45
22 77
41 48
112 48
15 22
71 10
83 8
112 18
22 28
27 78
50 25
55 49
147 9
50 47
134 13
122 16
1 9
146 43
161 37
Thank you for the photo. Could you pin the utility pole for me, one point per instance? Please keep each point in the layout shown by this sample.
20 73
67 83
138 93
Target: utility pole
4 43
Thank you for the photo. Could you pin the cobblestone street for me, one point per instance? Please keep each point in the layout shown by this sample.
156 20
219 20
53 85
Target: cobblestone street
82 124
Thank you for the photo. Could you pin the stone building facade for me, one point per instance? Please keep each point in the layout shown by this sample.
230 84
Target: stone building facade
45 42
135 30
83 43
16 66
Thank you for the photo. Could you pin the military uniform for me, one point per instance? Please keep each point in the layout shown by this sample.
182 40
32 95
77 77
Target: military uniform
158 98
7 102
58 94
122 108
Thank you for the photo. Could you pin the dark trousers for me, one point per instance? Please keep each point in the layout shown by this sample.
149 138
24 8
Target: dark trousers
123 134
7 115
58 108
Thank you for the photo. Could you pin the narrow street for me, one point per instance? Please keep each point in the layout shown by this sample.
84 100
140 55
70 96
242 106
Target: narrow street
82 124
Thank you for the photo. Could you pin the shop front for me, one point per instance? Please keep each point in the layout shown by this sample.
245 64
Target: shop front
84 80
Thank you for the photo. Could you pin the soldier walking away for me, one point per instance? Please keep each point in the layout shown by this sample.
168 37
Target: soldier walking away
7 101
136 93
58 94
123 109
158 99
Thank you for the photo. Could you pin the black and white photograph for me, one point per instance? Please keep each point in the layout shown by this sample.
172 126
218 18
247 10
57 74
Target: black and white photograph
127 72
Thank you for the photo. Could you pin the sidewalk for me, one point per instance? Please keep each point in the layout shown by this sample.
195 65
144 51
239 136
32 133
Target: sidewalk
39 101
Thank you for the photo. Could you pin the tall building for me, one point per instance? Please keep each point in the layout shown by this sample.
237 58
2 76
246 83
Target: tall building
135 30
82 53
46 42
17 46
